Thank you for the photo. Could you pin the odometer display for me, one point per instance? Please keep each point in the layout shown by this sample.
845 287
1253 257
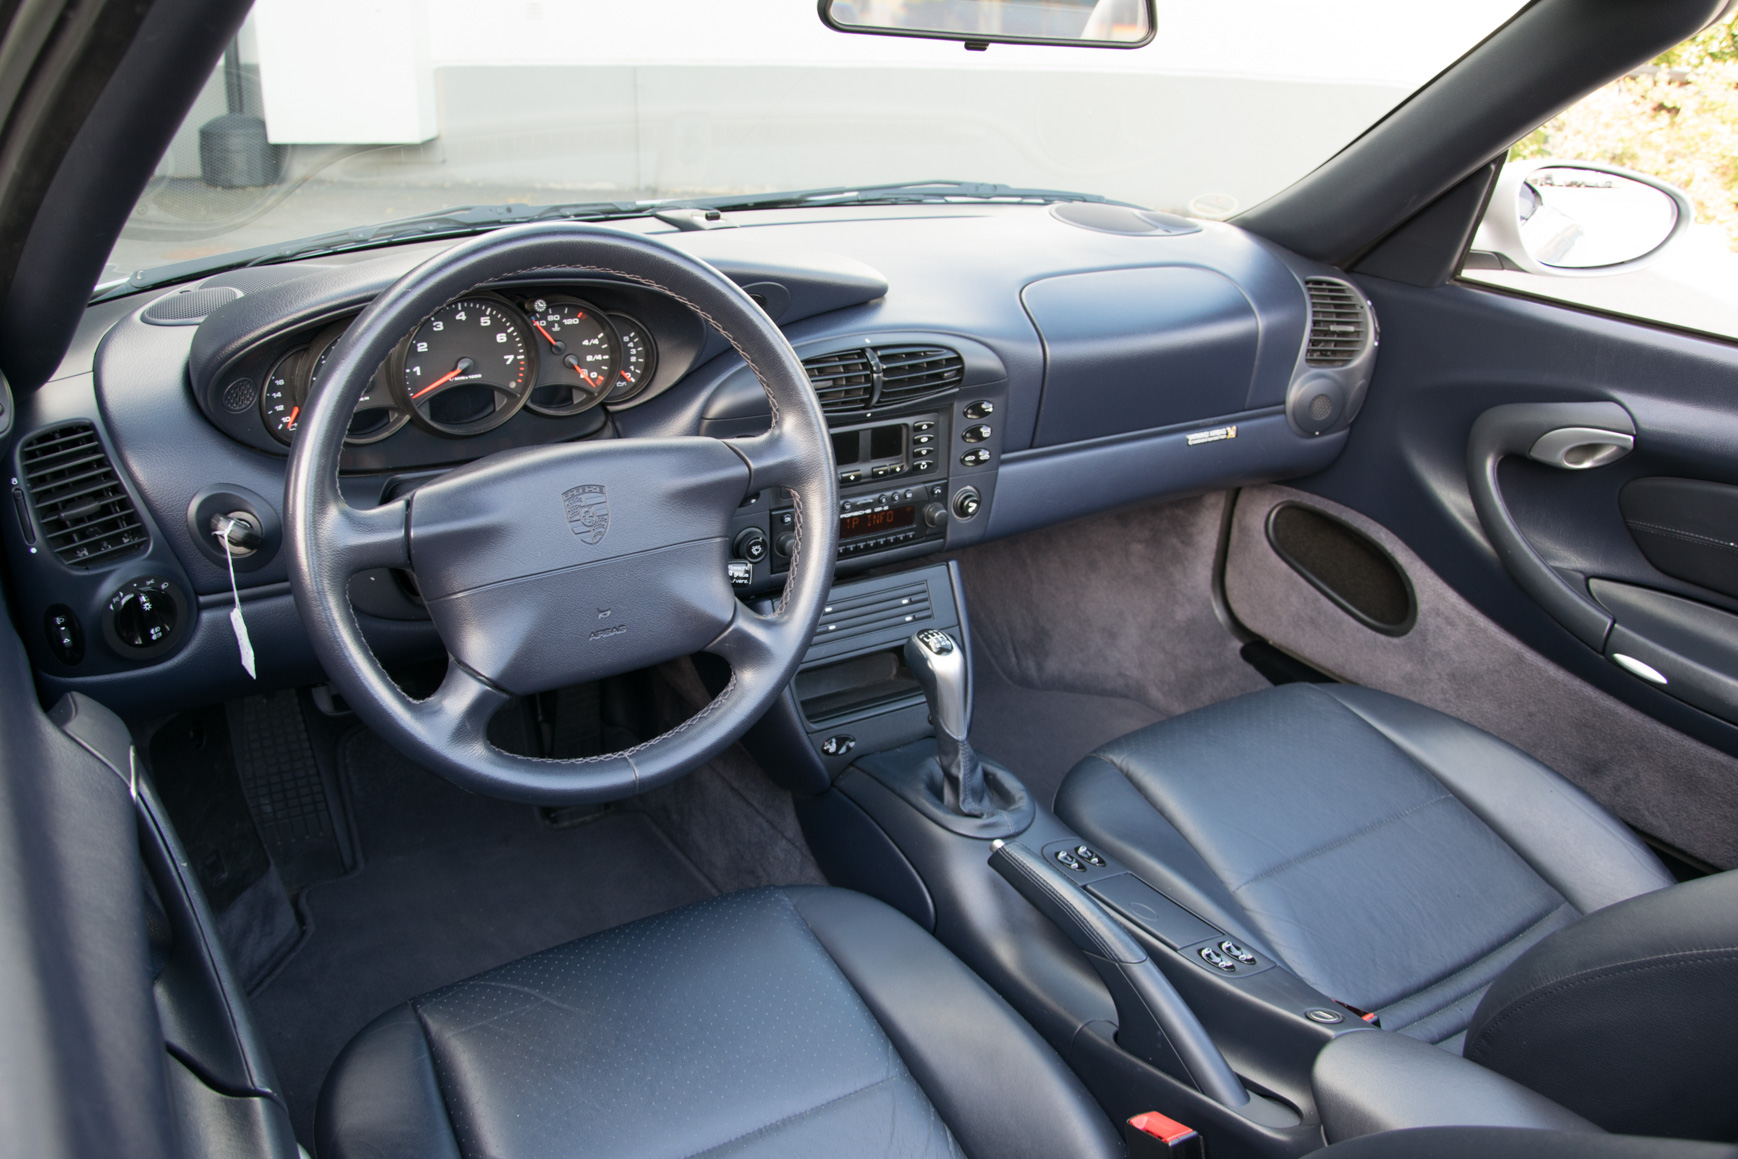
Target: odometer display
469 368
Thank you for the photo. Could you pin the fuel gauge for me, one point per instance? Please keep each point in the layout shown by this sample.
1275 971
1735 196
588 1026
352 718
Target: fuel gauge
580 355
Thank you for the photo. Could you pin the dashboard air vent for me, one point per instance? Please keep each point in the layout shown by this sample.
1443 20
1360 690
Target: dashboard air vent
86 515
842 381
852 380
909 372
1339 325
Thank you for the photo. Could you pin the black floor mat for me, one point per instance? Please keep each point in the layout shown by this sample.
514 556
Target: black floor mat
1041 734
451 884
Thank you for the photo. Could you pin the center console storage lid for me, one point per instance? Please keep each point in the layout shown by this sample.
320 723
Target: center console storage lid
1378 1080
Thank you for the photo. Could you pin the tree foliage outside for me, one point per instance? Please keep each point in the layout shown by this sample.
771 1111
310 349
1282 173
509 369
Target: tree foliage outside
1676 119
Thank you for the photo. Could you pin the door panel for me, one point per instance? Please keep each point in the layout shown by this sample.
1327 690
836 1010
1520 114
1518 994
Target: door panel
1520 540
1456 659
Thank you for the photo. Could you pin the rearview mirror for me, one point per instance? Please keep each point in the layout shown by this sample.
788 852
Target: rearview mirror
1577 219
979 23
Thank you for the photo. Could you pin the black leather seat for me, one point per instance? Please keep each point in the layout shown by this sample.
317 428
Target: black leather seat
1395 858
800 1021
1407 863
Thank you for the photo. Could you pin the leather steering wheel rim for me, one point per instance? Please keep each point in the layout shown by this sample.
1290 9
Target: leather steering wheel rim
507 538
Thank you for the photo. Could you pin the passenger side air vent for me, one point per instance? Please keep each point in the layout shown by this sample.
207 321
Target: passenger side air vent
909 372
843 381
1339 325
853 380
86 515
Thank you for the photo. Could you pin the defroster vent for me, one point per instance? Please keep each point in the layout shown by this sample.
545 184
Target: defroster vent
86 515
1339 323
872 376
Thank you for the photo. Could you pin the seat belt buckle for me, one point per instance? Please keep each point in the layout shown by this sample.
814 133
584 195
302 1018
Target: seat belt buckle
1154 1136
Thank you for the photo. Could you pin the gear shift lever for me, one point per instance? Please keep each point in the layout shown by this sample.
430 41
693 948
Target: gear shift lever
940 667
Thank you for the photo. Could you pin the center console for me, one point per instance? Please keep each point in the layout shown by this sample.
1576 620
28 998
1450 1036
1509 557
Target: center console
1155 1008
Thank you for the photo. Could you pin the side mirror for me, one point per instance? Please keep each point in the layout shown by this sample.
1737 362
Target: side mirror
979 23
1577 219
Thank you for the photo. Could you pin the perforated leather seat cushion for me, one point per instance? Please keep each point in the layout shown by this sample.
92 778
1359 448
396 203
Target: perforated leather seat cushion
1393 857
802 1021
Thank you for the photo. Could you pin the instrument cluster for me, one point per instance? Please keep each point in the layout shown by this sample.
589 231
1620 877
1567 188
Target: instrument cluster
474 364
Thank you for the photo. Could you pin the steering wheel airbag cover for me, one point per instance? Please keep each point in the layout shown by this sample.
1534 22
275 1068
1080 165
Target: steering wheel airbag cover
556 565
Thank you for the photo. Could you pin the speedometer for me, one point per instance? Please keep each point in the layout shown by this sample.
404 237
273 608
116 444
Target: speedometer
468 368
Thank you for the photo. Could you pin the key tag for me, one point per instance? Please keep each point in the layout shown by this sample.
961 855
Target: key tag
235 618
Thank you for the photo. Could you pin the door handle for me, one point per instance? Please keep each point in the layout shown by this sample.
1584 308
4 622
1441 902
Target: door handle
1575 436
1581 448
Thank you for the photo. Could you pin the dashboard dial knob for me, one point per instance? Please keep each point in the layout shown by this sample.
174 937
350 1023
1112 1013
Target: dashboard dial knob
934 514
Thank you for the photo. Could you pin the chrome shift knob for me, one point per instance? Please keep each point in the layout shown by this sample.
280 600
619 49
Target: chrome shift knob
939 664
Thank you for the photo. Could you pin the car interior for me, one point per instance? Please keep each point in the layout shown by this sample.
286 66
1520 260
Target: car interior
938 669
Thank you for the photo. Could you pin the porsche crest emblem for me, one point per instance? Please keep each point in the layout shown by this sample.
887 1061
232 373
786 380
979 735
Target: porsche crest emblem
588 512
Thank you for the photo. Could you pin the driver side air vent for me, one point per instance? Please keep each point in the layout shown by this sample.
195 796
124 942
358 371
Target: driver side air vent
842 381
1339 326
86 515
854 380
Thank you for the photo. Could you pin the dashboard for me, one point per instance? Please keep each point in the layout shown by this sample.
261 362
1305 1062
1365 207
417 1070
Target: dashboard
985 370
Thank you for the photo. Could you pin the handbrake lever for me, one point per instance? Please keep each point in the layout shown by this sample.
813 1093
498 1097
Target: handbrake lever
1153 1021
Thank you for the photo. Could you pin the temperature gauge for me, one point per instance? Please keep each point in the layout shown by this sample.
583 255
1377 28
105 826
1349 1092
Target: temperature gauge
580 354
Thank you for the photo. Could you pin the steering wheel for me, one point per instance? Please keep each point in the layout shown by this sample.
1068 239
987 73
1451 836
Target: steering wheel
548 566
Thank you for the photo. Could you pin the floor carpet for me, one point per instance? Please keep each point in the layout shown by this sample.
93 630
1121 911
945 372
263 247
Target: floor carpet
451 884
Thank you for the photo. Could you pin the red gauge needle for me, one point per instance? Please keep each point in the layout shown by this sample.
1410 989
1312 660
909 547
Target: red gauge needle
627 376
291 421
545 333
464 365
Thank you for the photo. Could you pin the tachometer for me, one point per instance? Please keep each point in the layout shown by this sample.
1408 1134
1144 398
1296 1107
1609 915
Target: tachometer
469 368
579 354
639 361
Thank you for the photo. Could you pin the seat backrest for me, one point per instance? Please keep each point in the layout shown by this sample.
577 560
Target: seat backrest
1629 1017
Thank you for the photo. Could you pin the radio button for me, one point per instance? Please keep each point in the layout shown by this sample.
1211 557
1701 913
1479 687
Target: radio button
848 477
920 440
922 452
923 426
922 465
982 409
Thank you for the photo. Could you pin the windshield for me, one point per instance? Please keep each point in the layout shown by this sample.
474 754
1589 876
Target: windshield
330 114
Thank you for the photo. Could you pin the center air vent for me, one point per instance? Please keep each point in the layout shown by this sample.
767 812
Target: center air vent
85 513
853 380
1339 325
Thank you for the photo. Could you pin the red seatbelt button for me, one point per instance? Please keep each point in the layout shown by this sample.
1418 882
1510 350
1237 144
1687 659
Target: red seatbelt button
1154 1136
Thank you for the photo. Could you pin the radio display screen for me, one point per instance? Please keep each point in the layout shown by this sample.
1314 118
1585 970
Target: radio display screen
871 522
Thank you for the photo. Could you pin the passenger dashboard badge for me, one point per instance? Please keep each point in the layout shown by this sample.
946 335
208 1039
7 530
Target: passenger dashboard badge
588 512
1216 435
